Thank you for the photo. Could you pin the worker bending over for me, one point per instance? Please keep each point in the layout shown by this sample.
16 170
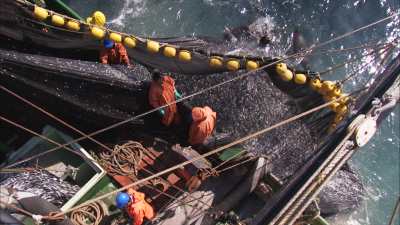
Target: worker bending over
135 205
162 92
203 124
113 53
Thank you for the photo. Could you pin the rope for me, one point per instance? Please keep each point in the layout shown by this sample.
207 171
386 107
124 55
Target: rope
85 136
37 218
90 214
339 65
41 136
248 137
396 211
51 115
124 160
358 30
237 164
387 48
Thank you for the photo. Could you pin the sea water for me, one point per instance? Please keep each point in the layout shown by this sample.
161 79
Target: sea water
319 21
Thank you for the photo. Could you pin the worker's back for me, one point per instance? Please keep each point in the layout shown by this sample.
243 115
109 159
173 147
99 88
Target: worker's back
139 208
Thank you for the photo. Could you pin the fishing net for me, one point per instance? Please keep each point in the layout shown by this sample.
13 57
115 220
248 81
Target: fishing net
249 105
17 22
82 90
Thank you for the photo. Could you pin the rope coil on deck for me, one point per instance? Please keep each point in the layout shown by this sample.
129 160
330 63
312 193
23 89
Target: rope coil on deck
124 159
90 214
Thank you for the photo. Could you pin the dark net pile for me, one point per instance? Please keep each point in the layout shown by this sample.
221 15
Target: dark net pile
249 105
100 90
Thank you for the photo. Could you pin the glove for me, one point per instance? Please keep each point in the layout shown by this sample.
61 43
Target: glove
177 94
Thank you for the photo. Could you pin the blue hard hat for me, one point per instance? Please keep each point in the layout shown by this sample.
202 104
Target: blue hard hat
108 43
122 200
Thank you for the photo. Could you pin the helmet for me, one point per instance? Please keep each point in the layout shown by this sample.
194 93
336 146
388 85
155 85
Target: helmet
98 18
108 43
122 200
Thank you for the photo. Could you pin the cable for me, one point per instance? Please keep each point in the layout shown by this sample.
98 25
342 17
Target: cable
396 211
387 48
41 136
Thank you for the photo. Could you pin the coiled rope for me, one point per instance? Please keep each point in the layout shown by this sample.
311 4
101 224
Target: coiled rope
124 160
90 214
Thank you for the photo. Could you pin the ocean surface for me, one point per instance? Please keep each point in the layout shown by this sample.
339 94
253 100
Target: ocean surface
379 161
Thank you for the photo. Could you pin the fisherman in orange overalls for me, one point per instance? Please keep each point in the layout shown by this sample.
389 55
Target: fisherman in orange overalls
204 120
162 92
135 205
114 53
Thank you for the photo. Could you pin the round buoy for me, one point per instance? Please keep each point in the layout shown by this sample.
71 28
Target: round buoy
73 25
169 51
334 106
115 37
286 75
97 32
300 78
251 65
336 92
185 56
153 46
315 84
130 42
281 66
365 131
40 13
57 20
327 86
233 64
216 62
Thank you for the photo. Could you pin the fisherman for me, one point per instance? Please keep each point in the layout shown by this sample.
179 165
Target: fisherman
98 18
203 124
163 92
135 205
111 53
114 53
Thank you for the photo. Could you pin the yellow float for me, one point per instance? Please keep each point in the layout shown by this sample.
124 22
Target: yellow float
97 32
130 42
57 20
73 25
251 65
233 64
153 46
40 13
169 51
300 78
216 61
115 37
185 55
